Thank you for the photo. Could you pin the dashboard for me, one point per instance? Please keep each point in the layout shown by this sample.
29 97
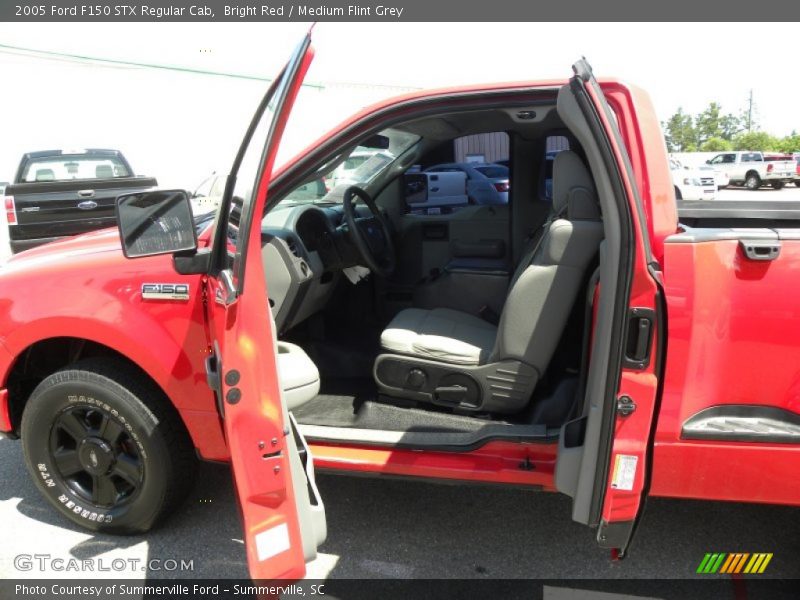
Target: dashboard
303 253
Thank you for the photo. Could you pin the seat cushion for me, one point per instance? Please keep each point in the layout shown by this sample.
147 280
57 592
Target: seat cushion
440 334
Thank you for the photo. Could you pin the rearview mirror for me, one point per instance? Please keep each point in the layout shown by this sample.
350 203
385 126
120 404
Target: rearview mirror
377 142
156 222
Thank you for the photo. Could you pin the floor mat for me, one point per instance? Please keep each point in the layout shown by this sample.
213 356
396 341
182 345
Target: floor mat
354 404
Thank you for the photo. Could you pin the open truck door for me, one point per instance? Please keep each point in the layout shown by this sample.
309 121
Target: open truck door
282 513
604 454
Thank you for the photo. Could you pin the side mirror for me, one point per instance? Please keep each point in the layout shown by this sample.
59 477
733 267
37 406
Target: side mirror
708 162
156 222
415 188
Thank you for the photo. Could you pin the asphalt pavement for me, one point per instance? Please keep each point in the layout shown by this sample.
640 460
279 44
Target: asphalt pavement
388 528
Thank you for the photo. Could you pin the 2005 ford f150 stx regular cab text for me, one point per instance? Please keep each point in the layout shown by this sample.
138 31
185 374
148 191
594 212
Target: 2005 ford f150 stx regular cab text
61 193
593 345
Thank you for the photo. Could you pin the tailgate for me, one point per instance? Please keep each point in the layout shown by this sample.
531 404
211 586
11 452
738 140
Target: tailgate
57 209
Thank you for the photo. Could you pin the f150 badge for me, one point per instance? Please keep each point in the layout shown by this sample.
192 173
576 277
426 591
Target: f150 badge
165 291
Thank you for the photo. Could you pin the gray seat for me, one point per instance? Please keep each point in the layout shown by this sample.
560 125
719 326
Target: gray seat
440 334
456 359
104 171
45 175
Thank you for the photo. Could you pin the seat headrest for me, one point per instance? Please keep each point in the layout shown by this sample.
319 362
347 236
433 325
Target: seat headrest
103 171
45 175
574 193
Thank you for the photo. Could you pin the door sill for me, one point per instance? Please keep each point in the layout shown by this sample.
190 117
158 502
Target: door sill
427 440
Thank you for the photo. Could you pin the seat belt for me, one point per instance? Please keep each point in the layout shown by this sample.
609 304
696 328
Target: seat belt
541 232
588 329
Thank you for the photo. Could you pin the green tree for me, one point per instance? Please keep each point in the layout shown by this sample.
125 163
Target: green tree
680 133
790 143
712 123
755 140
716 144
729 126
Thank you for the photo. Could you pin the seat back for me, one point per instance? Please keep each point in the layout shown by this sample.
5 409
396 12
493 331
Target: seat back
45 175
553 268
104 171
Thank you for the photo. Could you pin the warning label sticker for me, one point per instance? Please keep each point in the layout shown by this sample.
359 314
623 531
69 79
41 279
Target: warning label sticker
624 472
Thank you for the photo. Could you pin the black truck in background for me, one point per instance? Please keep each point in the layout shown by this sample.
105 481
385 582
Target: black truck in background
61 193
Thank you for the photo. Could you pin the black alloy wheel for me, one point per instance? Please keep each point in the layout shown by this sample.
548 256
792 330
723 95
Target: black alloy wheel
95 456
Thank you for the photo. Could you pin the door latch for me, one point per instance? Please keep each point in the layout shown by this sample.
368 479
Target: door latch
639 337
761 250
625 406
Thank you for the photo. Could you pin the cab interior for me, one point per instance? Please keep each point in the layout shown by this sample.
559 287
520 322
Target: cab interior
482 327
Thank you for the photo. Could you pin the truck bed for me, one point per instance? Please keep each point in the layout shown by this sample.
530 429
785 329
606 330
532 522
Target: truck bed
50 210
740 213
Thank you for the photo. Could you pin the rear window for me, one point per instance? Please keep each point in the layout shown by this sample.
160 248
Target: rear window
71 167
751 157
493 172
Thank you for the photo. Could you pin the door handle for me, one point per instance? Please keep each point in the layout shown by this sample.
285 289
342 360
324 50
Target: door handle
761 250
225 292
436 189
86 193
639 335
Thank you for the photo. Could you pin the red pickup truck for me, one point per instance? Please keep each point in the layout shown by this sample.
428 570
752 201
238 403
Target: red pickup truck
590 344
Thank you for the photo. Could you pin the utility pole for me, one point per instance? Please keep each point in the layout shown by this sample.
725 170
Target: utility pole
750 112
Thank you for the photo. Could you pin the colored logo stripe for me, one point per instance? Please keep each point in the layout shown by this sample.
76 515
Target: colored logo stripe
736 562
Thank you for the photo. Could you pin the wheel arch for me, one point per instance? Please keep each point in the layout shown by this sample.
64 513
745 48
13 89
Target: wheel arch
45 356
38 358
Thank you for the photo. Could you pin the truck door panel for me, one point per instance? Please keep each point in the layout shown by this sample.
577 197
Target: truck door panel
283 515
731 400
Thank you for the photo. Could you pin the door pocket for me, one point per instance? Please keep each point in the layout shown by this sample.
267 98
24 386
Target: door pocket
478 249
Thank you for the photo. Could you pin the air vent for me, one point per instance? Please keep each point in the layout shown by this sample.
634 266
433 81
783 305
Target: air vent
292 244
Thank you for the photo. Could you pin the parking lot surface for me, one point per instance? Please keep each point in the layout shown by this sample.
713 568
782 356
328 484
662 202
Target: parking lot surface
385 528
790 192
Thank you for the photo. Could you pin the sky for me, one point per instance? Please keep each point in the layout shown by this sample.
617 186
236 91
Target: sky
179 126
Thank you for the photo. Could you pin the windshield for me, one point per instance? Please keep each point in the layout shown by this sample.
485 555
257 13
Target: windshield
358 167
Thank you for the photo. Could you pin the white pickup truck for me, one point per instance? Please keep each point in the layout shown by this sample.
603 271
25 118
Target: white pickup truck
692 184
754 169
431 192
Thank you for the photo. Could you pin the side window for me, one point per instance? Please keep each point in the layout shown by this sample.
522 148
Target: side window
728 159
479 173
553 145
717 160
751 157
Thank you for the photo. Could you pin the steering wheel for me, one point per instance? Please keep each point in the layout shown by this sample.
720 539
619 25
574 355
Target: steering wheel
370 235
